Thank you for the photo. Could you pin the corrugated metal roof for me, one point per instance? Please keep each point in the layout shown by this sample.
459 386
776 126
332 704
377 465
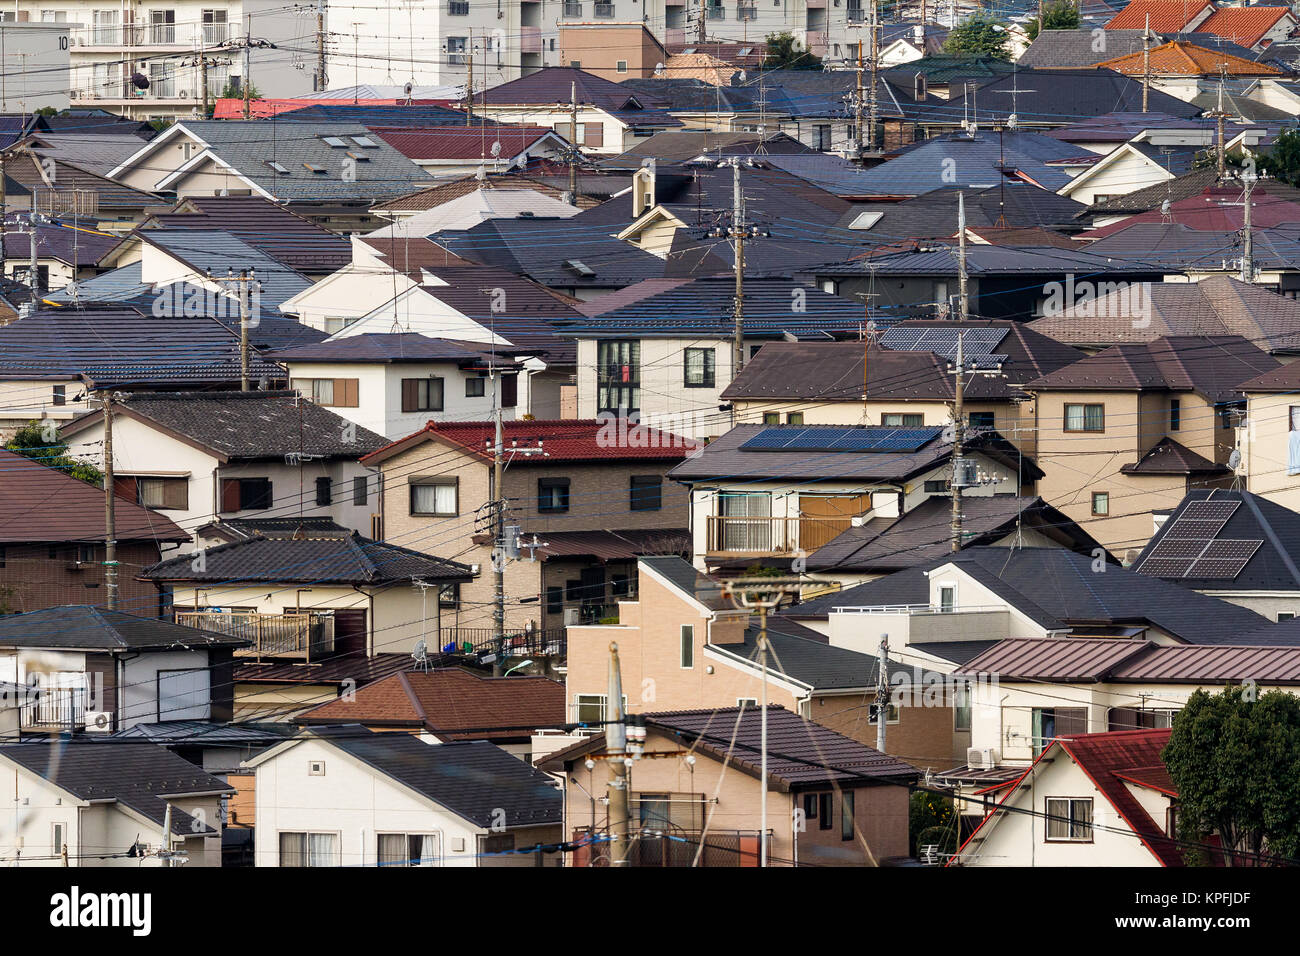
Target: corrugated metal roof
1055 658
1213 665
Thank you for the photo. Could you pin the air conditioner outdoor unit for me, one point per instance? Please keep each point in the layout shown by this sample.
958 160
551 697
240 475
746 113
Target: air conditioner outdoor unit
99 722
981 758
572 616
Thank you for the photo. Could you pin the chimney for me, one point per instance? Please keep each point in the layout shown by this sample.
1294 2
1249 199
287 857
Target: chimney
643 188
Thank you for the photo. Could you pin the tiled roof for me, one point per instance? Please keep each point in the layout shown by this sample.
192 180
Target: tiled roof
679 146
217 252
391 348
1218 208
1180 58
555 84
1168 457
24 516
1192 664
1173 247
806 656
1167 16
349 559
96 152
434 196
562 440
930 215
137 775
1244 25
93 628
472 778
1055 658
463 143
76 247
467 211
1076 48
1213 365
246 425
453 703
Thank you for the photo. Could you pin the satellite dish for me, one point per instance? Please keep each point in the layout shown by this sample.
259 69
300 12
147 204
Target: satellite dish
407 90
421 654
1234 459
659 69
496 149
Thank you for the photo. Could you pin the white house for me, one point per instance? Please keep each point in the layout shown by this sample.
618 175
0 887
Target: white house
345 796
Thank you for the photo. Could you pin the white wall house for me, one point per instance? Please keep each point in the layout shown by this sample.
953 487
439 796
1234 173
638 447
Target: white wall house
35 62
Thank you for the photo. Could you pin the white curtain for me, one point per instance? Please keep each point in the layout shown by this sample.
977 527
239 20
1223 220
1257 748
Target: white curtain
435 499
320 850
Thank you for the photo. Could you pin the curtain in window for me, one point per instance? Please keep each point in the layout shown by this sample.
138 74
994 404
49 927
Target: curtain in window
151 492
321 850
435 499
293 849
392 849
1074 418
423 849
1094 418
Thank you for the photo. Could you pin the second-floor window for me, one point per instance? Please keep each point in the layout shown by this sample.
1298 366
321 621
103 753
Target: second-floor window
1101 503
214 27
163 493
162 26
646 492
552 495
902 420
1069 819
1085 418
1175 414
688 645
981 420
336 392
434 496
475 387
699 366
458 8
1052 722
618 377
324 491
245 494
360 494
422 394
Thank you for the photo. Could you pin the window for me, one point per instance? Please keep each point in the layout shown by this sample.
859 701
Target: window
434 496
747 702
618 376
245 494
981 419
308 849
60 394
937 486
1175 414
162 26
821 137
422 394
590 708
323 486
337 392
620 585
497 843
408 849
509 391
449 595
771 418
688 645
809 807
552 495
961 709
947 597
620 66
458 8
900 420
337 323
214 26
699 368
58 837
846 815
593 134
1069 819
555 600
1101 503
1285 616
475 387
1050 723
1085 418
794 418
647 493
163 493
825 811
359 494
456 47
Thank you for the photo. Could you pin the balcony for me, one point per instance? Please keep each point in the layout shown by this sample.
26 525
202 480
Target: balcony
530 39
770 536
304 636
215 33
673 847
521 643
55 710
924 624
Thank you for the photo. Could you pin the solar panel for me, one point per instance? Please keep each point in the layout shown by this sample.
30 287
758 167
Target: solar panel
1217 568
1166 567
1231 549
1177 548
840 439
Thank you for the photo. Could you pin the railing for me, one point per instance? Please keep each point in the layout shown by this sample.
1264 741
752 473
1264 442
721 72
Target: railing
671 847
214 33
603 11
161 34
743 535
914 610
59 708
854 15
303 636
551 642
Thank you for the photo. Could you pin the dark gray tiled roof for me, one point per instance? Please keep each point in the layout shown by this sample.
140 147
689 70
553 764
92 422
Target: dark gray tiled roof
136 775
252 425
474 779
686 577
805 655
390 347
1058 588
331 559
213 252
92 628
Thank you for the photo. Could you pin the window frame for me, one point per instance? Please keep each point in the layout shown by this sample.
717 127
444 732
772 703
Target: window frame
555 506
708 372
324 491
413 402
644 502
1104 498
452 482
1084 428
1051 818
478 380
686 647
1175 414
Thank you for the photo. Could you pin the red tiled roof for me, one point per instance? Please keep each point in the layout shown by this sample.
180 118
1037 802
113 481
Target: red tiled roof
468 143
40 504
1180 58
233 107
452 702
560 440
1217 209
1167 16
1244 26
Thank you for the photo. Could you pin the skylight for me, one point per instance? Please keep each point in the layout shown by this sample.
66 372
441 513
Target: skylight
865 220
319 170
579 267
365 142
278 167
335 141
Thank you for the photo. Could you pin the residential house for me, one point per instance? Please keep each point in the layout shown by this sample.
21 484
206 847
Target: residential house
423 200
1163 16
1014 205
697 794
108 806
1186 70
608 48
447 152
662 351
328 172
1269 436
345 796
684 645
197 456
95 670
1174 191
1102 799
1134 428
54 187
52 533
1217 209
489 201
451 703
583 498
774 494
63 254
1104 134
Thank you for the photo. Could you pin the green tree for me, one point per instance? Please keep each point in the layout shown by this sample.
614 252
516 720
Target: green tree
979 36
783 53
930 820
1234 758
1283 161
231 91
40 441
1060 15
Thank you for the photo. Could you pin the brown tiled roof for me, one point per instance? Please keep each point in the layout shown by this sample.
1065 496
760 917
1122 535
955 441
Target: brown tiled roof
1244 26
39 504
1285 378
454 703
1167 16
331 670
700 66
435 196
1168 457
1180 58
1212 365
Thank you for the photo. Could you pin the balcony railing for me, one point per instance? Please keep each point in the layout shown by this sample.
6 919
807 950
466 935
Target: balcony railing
56 709
727 535
214 33
550 642
304 636
855 15
162 34
672 847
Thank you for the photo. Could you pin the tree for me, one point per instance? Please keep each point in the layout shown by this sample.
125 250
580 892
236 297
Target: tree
930 821
40 441
233 91
1234 758
783 53
1059 15
1283 161
980 36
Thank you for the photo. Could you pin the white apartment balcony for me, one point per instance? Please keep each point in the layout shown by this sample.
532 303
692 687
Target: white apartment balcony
911 624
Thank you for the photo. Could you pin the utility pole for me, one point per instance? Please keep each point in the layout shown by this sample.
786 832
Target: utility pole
1218 119
110 508
33 274
704 15
958 466
1247 249
573 146
963 297
1040 17
4 210
320 46
203 77
1146 63
498 535
248 79
469 81
738 233
857 104
882 692
616 750
871 91
246 278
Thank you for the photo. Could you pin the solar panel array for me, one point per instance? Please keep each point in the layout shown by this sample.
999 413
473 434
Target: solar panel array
834 438
977 344
1189 549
